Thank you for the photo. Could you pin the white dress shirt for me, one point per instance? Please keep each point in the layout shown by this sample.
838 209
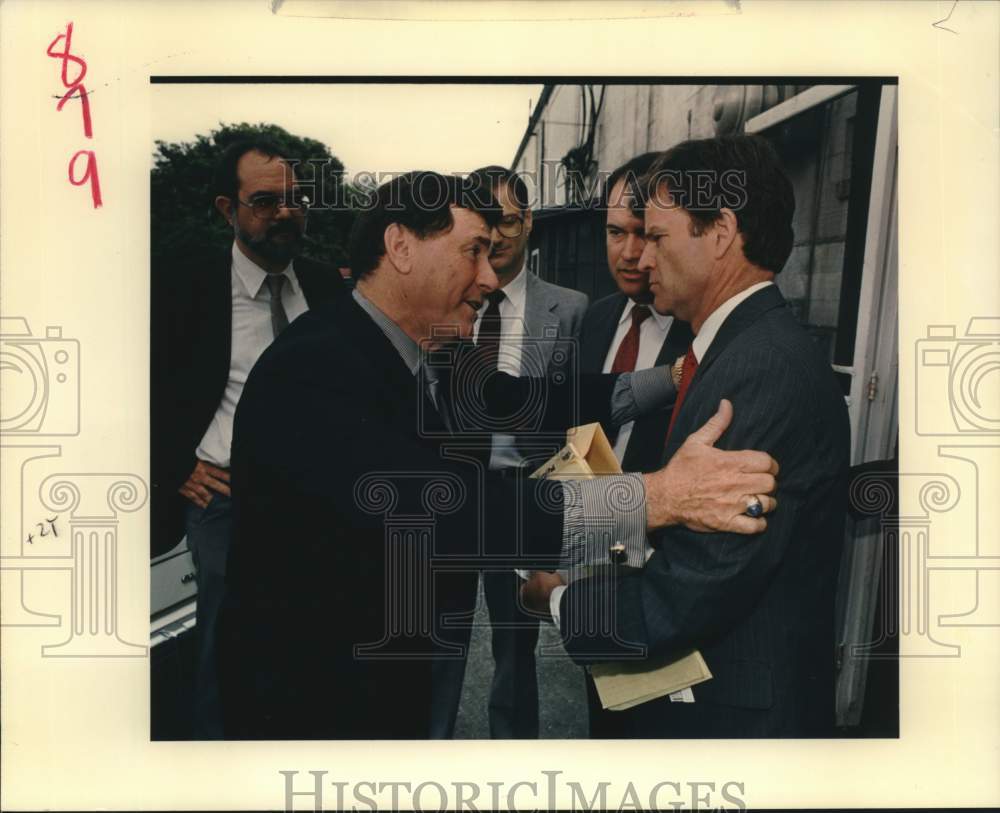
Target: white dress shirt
652 334
504 454
251 335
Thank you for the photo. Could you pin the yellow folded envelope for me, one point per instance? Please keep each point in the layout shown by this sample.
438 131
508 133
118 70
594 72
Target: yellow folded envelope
620 686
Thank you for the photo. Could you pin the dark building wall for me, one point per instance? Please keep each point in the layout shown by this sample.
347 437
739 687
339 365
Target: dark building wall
570 250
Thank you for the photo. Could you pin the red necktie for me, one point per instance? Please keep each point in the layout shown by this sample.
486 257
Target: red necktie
687 373
628 350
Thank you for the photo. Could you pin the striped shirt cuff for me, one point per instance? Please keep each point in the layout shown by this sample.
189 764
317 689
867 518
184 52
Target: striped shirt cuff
640 393
602 512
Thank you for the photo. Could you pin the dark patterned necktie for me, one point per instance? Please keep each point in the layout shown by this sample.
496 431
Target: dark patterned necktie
279 319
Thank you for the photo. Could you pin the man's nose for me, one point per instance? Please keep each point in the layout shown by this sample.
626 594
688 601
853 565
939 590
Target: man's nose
646 259
634 246
486 277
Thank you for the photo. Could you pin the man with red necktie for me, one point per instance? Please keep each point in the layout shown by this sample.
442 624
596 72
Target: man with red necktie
622 331
718 228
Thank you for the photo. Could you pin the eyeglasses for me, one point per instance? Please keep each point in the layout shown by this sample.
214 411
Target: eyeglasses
267 206
510 225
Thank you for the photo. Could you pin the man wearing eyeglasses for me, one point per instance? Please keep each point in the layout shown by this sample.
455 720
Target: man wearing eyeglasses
212 319
530 326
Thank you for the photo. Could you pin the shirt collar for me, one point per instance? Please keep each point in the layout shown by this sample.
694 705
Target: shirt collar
408 349
662 321
252 276
517 289
716 318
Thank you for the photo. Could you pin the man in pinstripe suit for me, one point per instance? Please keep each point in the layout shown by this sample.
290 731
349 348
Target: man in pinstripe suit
718 229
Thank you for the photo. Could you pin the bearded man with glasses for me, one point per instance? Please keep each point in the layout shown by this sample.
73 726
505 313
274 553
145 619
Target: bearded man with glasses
212 317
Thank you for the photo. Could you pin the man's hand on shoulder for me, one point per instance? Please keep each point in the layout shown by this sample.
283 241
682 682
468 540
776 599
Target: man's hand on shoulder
205 479
708 489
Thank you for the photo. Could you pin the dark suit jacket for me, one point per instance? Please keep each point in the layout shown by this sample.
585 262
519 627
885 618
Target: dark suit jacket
355 479
760 609
191 318
645 445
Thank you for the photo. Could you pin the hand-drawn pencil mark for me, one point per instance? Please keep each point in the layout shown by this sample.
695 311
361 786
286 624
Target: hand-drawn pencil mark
943 27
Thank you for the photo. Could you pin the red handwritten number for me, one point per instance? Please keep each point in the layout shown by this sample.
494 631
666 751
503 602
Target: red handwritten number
89 175
76 86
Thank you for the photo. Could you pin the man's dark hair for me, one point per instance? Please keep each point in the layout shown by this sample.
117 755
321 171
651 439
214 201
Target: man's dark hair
739 172
493 175
227 181
421 202
632 170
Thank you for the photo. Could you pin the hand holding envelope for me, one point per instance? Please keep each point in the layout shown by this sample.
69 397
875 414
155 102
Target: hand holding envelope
702 488
586 454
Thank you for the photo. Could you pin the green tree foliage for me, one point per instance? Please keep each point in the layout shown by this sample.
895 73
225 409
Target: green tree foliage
184 221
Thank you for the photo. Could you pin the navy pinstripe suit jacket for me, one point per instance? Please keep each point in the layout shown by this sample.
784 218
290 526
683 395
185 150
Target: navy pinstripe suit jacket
760 608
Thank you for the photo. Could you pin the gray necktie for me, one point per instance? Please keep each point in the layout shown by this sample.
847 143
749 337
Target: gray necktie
434 392
279 319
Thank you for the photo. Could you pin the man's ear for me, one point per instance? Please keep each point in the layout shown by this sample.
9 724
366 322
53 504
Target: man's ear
726 231
527 221
225 207
399 247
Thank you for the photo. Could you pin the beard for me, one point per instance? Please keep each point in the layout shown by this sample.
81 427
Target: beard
270 248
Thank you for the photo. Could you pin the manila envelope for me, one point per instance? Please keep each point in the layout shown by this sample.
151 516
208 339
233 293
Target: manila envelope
620 686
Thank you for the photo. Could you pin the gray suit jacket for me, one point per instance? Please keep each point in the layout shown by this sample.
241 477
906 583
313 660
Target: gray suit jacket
552 319
553 316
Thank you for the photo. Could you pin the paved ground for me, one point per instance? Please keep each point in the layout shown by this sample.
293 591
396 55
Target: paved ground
562 697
